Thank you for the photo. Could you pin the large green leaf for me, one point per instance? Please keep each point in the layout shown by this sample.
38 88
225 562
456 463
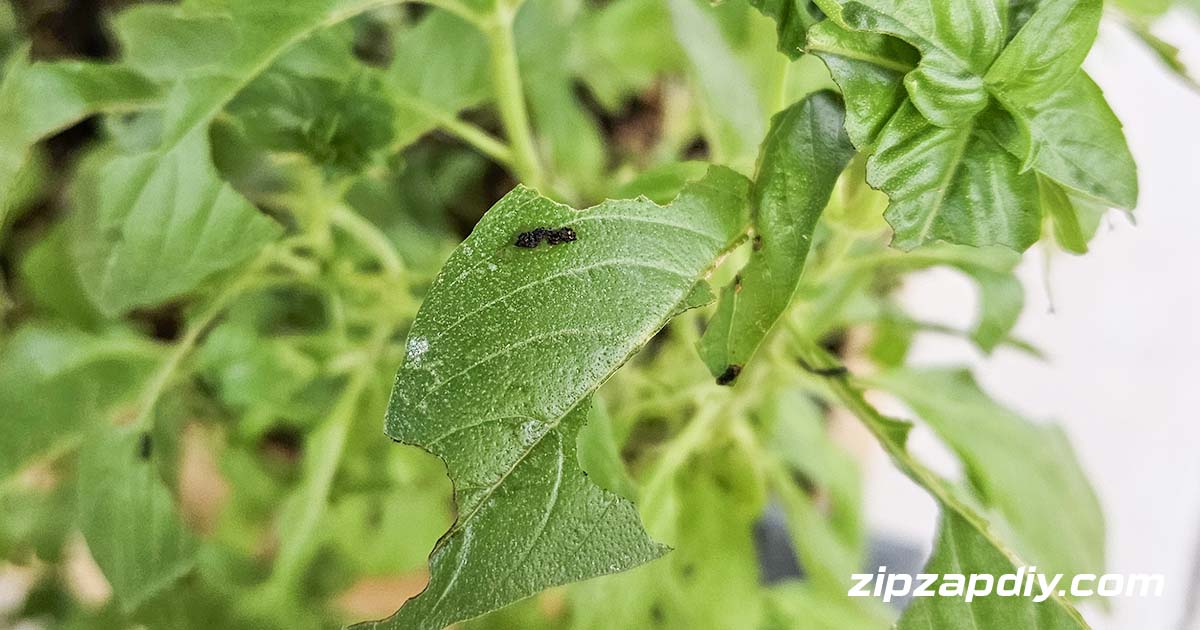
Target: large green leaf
956 185
1026 471
968 544
501 358
152 226
166 212
961 548
958 40
40 98
128 516
805 151
1074 138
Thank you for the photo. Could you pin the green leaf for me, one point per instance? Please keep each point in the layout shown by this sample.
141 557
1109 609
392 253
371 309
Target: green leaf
152 226
869 69
600 456
805 151
731 103
505 350
452 74
707 510
958 40
164 41
1028 472
1068 230
128 516
40 98
1074 138
625 46
53 383
1046 52
131 250
793 18
956 185
961 548
968 543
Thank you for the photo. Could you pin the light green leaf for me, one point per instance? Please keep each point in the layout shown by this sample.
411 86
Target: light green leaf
40 98
131 250
961 548
150 227
1001 299
128 516
451 75
164 41
805 151
968 543
1046 52
958 40
1068 230
1074 138
624 47
53 383
956 185
505 350
600 456
1028 472
731 102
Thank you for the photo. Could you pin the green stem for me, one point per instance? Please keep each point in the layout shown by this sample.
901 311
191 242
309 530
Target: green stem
321 463
510 97
183 347
369 237
481 140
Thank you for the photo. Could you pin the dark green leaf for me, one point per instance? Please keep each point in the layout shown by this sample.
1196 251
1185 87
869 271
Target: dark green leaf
956 185
958 40
805 151
793 18
501 358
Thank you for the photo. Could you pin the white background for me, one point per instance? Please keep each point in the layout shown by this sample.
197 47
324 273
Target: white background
1123 344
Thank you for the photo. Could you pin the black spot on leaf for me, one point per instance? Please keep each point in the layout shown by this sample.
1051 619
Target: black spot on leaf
729 375
145 446
552 236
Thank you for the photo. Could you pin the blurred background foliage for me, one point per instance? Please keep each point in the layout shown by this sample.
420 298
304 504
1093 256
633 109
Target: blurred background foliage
273 500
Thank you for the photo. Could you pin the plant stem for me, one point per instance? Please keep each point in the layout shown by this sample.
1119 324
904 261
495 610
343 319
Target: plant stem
481 140
510 96
369 237
321 463
183 347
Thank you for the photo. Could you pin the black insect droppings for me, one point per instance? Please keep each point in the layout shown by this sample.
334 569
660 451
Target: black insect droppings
552 236
145 446
729 375
757 243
